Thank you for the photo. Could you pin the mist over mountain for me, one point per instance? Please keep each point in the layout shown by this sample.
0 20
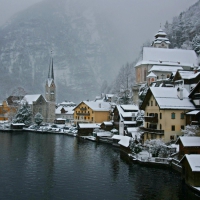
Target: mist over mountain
83 45
184 28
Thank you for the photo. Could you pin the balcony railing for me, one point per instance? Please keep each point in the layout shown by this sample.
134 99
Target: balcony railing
151 119
150 130
83 114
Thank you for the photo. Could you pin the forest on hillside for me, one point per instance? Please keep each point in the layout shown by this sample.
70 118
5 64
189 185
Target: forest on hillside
184 31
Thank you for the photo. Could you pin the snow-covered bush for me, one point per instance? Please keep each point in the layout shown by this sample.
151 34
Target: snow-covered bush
157 148
38 118
191 130
23 114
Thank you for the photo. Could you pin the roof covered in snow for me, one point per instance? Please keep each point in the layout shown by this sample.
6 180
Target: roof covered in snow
194 161
89 125
130 107
104 134
108 123
163 68
151 75
188 74
167 98
194 112
125 141
68 110
31 98
191 141
98 106
164 56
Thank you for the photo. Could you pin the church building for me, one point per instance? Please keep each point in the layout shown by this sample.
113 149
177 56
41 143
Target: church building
50 94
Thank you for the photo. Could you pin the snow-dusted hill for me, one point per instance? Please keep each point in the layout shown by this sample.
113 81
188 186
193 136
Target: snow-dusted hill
79 38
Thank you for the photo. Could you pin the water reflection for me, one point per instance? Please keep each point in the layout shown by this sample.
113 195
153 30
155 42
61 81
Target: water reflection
45 166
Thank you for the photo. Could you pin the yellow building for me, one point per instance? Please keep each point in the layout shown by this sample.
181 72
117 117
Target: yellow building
7 111
92 112
165 109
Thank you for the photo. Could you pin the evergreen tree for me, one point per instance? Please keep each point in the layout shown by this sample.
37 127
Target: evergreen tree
196 44
23 114
38 118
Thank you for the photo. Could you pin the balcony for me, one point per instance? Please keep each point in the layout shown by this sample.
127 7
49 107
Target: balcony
83 114
150 130
82 109
151 119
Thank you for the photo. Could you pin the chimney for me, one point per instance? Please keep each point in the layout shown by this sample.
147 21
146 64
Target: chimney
180 93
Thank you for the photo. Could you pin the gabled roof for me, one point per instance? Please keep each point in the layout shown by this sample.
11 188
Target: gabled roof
167 98
69 110
96 106
183 74
164 56
31 98
151 75
195 89
163 68
193 160
191 141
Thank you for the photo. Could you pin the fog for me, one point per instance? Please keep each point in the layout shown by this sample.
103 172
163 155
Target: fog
136 21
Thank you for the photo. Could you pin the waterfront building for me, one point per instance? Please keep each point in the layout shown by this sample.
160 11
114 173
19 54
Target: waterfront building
92 112
191 170
65 112
165 109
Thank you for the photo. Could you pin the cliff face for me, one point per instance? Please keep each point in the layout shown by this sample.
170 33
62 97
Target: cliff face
80 42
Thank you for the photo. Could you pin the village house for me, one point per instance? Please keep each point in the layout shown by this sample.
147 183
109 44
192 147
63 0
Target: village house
92 112
191 169
188 145
65 112
125 114
165 109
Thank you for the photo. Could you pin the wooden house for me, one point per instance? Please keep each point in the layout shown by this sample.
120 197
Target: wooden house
188 145
191 169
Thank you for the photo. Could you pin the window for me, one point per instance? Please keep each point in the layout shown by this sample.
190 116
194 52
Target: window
92 118
173 128
160 126
182 127
173 115
156 103
147 114
182 115
147 125
171 137
160 115
88 117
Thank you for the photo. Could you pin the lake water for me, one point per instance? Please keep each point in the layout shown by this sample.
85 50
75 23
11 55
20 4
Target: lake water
48 166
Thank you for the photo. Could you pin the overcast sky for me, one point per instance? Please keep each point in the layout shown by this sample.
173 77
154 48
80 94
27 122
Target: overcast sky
137 20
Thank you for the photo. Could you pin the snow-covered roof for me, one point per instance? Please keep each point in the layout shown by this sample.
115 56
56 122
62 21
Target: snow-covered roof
117 137
160 32
132 129
191 141
108 123
67 103
194 161
194 112
89 125
30 98
18 124
125 140
129 122
104 134
167 98
60 119
179 57
163 68
151 75
130 107
96 106
188 74
68 110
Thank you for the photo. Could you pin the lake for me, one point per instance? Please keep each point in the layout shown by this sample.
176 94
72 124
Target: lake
48 166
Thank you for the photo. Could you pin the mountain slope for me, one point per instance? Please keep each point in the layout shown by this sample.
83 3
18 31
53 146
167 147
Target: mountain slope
80 44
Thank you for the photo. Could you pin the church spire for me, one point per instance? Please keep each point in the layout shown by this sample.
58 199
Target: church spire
51 72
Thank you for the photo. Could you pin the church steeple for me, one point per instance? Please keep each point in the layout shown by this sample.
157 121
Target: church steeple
50 88
161 41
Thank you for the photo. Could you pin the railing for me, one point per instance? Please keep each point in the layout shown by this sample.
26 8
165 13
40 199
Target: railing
83 114
152 130
151 119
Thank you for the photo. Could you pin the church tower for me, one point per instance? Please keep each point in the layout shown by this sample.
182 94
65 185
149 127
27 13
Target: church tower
161 41
50 93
